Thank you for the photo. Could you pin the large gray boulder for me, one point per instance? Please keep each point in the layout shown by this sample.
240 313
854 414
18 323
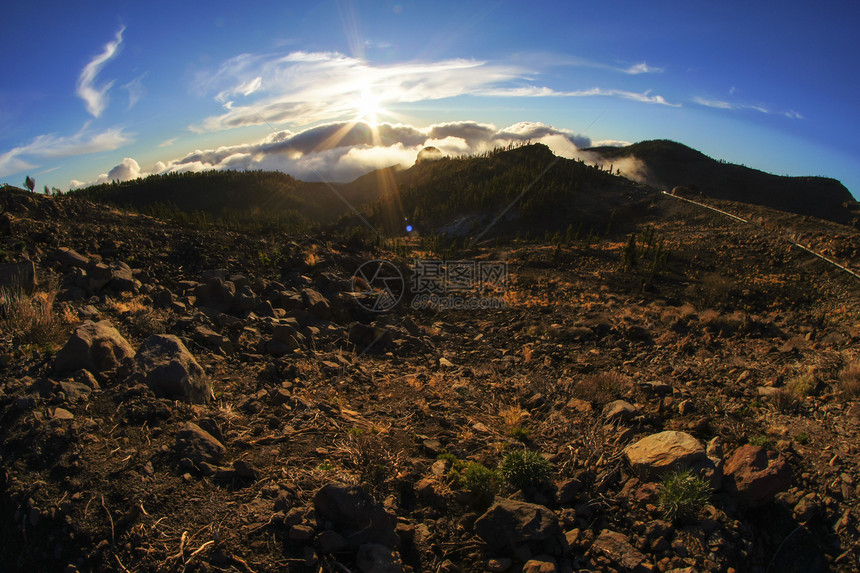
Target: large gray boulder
170 370
509 523
95 346
355 516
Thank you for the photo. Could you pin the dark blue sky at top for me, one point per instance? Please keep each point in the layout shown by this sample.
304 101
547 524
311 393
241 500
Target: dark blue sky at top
769 84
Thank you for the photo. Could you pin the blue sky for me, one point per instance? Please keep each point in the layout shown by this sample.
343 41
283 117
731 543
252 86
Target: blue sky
94 91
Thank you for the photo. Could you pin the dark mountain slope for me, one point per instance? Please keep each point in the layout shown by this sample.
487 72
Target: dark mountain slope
672 164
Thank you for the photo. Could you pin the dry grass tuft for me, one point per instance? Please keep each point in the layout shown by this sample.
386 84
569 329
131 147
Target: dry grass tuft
30 319
849 381
601 388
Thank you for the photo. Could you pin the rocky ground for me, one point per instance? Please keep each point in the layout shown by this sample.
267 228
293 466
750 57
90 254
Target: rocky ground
176 399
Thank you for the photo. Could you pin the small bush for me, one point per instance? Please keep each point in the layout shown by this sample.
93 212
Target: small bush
849 381
803 385
784 401
600 388
524 468
802 438
682 495
761 441
479 480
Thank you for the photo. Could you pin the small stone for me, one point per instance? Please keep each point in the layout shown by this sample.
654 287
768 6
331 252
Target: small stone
301 532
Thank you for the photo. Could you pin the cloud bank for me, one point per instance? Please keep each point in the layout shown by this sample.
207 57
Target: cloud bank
343 151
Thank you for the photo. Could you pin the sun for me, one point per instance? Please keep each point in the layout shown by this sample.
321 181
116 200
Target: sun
368 106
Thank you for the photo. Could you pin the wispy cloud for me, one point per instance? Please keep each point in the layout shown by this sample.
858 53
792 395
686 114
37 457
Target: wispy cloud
722 104
535 91
305 87
96 98
135 90
53 146
641 68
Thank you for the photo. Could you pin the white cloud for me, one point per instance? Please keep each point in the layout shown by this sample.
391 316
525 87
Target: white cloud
96 98
128 169
641 68
52 146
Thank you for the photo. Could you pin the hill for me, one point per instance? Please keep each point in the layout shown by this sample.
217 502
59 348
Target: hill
673 164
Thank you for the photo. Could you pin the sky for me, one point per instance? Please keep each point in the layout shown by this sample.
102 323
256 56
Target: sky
328 90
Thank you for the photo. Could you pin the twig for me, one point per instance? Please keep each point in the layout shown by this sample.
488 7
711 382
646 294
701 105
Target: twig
110 518
120 564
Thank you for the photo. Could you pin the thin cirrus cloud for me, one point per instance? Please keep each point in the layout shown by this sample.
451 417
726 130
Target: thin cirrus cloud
96 98
722 104
306 87
54 146
345 150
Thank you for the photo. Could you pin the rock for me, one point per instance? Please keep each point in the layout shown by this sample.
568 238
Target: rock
807 508
198 445
98 276
659 453
354 515
300 532
95 346
210 338
216 293
170 370
69 258
62 414
499 564
754 475
331 542
75 390
18 277
620 411
122 278
509 523
376 558
316 303
617 548
540 565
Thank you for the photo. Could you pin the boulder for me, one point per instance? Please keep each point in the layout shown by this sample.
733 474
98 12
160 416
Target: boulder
355 516
657 454
509 523
754 475
316 303
70 258
198 445
216 294
95 346
18 277
620 411
170 370
617 548
122 278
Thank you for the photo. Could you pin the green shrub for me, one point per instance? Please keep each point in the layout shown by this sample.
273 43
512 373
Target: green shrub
479 480
524 468
682 495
